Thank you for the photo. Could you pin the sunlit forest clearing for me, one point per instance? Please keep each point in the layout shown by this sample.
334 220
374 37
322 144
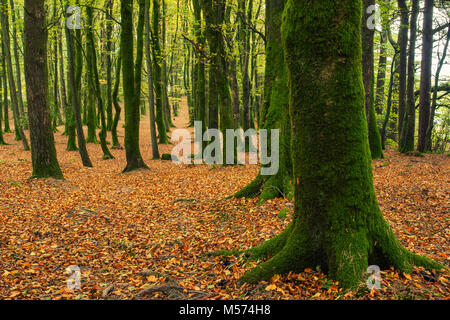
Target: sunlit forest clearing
94 206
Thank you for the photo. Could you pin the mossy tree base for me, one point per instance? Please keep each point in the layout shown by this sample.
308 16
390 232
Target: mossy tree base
344 255
268 187
136 164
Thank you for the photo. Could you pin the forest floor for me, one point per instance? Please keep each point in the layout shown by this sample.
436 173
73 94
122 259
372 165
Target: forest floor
152 229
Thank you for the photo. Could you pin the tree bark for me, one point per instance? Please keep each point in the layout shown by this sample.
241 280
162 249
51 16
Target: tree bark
425 75
337 223
151 98
274 113
12 86
403 43
74 96
157 77
367 36
406 141
428 134
43 152
131 75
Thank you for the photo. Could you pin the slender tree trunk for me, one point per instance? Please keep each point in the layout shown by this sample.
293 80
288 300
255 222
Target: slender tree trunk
381 75
2 141
5 91
62 83
92 64
151 98
12 86
108 35
389 101
275 111
428 134
17 59
115 100
157 77
74 86
367 35
403 43
406 142
425 75
337 223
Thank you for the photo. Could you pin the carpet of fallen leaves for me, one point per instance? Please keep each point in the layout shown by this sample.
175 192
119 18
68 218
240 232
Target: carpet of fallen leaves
147 234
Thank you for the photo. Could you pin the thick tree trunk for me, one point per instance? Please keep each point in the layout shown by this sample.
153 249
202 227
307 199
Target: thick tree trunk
337 223
406 141
131 75
43 152
425 75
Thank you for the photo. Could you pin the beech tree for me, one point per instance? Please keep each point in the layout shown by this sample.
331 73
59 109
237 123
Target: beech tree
43 153
131 73
337 223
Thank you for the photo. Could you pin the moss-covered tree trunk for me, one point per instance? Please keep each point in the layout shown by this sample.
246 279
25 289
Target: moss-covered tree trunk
17 60
95 82
274 114
109 26
2 141
43 152
5 91
199 68
117 109
406 141
214 12
131 75
73 74
151 97
157 76
62 82
18 127
337 223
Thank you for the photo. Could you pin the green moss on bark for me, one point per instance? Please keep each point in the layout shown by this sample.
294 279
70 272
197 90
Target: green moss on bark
337 223
274 113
